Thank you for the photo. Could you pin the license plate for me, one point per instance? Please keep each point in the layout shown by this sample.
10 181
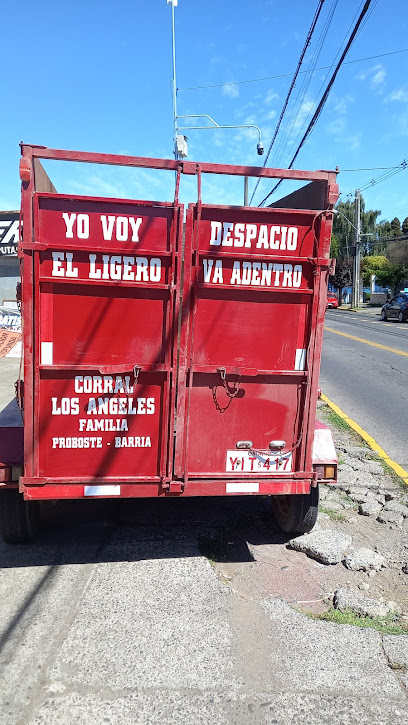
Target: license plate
257 462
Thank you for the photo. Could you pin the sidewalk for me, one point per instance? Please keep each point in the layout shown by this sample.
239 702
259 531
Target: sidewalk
366 308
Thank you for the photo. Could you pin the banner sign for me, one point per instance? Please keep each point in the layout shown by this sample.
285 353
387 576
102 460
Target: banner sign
9 233
10 319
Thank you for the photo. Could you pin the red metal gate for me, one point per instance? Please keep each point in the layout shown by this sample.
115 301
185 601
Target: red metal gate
143 380
253 343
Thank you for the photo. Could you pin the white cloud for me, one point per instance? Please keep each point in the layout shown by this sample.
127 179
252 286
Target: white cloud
378 77
375 76
271 115
216 59
354 141
270 97
336 127
341 104
231 91
304 111
399 95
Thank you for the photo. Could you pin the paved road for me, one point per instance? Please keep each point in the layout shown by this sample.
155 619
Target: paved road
115 616
369 383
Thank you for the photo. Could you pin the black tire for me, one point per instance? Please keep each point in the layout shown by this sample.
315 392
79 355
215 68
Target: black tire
19 519
383 316
296 513
400 316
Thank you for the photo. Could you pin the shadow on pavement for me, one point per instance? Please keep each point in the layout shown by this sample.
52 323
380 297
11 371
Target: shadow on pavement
83 532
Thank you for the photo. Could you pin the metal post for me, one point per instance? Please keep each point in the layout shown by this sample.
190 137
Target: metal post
174 86
355 296
245 191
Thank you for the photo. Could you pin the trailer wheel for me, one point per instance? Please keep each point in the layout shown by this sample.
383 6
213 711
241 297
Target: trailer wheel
296 513
19 519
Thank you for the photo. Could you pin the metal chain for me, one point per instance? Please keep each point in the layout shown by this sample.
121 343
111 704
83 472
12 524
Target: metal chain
136 371
231 395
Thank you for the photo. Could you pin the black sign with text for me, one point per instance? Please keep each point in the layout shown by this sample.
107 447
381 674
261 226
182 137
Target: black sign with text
9 233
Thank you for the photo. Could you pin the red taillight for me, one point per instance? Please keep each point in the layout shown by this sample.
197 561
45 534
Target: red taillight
25 170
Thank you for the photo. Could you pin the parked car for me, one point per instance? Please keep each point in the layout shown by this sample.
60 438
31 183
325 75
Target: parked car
332 300
396 309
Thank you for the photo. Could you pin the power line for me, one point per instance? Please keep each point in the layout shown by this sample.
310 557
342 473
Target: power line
325 94
389 173
289 93
370 168
390 240
282 150
286 75
285 141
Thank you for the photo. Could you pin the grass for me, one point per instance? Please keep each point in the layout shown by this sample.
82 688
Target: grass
386 625
334 515
391 473
397 667
335 420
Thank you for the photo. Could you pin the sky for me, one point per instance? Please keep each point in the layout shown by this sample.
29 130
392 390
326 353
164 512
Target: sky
96 76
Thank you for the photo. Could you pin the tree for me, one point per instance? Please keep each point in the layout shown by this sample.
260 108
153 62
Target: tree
383 269
343 225
342 275
343 240
395 227
397 252
404 227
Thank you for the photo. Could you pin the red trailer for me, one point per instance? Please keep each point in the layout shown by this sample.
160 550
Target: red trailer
166 356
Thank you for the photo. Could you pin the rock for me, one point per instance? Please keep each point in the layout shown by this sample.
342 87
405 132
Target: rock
359 452
390 517
396 649
358 494
375 468
322 516
394 607
371 572
365 607
364 585
323 492
378 497
364 560
327 546
353 520
333 505
398 508
369 508
345 468
405 568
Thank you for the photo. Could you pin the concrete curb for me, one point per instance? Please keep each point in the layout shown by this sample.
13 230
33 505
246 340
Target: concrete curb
401 472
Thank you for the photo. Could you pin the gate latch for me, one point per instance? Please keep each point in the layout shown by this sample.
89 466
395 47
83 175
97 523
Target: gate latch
136 371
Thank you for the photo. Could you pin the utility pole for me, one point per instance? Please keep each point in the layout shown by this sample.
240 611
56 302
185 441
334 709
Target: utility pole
173 80
355 293
246 191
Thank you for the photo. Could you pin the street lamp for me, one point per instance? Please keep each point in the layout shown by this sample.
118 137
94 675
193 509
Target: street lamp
180 140
255 129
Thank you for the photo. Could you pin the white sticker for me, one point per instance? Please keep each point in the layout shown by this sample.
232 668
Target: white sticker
300 359
102 490
46 353
260 462
243 487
